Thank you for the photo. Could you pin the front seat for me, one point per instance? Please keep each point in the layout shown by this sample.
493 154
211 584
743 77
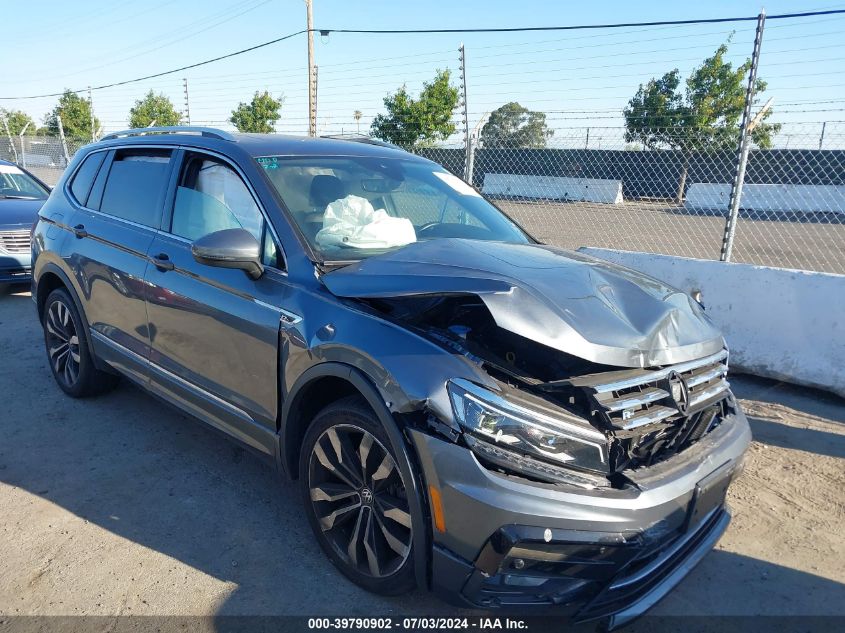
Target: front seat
324 190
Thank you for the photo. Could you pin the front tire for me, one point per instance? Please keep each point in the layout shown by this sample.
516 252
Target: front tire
66 342
356 499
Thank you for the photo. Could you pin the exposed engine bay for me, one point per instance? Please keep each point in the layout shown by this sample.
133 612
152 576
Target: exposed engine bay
635 409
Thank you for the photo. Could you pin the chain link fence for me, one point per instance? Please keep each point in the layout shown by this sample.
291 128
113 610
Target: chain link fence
620 196
46 157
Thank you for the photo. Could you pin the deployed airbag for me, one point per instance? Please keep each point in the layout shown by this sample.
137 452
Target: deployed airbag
353 222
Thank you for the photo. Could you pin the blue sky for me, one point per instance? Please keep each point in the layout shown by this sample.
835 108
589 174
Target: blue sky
580 78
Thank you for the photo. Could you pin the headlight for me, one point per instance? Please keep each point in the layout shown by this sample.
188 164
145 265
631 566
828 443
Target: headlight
505 428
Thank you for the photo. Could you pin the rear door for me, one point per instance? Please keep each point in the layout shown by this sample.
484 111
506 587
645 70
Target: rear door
114 228
215 331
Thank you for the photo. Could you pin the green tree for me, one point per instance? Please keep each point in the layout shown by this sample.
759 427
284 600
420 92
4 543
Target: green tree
703 116
17 120
258 115
513 125
418 122
76 117
154 108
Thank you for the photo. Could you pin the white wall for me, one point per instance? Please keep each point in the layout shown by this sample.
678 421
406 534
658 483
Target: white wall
780 323
783 198
554 187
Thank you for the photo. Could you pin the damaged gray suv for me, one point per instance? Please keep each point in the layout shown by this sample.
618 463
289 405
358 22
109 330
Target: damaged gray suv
512 425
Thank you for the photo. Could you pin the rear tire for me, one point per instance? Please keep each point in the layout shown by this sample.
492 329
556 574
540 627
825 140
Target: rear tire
66 342
356 499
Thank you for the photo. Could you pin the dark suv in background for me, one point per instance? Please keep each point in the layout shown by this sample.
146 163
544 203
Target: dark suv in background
21 196
508 423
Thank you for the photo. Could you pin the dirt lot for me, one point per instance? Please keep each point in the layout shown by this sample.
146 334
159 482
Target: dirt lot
784 240
121 506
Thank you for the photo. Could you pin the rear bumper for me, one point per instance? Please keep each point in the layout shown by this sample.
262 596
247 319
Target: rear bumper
582 554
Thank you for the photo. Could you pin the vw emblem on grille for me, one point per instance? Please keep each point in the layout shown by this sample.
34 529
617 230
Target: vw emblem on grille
366 496
679 392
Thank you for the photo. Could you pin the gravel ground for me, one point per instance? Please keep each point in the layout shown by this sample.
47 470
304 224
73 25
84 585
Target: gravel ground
122 506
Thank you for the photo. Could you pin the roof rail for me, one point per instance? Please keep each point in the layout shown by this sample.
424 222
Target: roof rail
208 132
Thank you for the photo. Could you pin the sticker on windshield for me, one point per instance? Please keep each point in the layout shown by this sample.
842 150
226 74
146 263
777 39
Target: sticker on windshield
268 162
457 184
9 169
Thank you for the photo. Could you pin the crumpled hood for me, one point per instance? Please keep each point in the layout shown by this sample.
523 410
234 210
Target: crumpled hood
566 300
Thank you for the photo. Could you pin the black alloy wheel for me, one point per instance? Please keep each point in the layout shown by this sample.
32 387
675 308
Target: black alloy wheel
68 354
62 344
358 500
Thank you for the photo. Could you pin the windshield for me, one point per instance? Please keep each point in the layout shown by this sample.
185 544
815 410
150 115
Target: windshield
15 183
349 208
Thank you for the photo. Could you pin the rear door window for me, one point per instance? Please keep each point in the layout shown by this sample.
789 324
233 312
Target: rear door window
135 185
80 187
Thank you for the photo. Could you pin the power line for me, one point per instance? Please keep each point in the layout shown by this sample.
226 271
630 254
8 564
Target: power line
461 30
578 27
169 72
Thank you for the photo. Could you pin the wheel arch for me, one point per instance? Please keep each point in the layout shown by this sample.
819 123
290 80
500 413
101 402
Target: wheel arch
347 380
50 278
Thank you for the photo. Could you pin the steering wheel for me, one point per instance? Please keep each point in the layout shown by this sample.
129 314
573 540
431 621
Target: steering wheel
426 227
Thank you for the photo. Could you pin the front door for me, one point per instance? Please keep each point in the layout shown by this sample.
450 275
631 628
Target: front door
215 331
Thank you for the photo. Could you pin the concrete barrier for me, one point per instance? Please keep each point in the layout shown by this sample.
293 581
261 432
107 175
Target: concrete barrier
779 323
554 188
779 198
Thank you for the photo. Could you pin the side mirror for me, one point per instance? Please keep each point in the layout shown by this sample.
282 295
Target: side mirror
230 248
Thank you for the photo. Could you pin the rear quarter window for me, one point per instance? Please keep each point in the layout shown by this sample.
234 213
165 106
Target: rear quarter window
80 186
135 184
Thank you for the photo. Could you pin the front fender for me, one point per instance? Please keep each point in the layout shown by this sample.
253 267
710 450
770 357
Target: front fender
406 459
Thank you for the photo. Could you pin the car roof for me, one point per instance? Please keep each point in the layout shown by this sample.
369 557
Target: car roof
7 163
256 145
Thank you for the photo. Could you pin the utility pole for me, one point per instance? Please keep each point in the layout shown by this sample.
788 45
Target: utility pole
187 102
821 138
744 143
312 73
587 142
91 112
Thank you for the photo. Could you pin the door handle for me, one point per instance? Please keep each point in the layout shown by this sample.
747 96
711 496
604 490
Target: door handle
79 231
162 262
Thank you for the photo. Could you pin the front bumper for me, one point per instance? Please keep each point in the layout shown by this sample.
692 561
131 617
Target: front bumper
15 268
588 554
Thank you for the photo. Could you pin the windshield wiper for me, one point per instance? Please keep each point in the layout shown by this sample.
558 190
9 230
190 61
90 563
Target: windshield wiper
328 266
8 197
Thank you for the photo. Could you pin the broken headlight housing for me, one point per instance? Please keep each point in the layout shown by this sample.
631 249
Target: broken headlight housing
525 440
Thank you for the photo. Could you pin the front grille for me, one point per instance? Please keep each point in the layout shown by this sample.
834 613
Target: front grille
646 398
655 413
15 241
